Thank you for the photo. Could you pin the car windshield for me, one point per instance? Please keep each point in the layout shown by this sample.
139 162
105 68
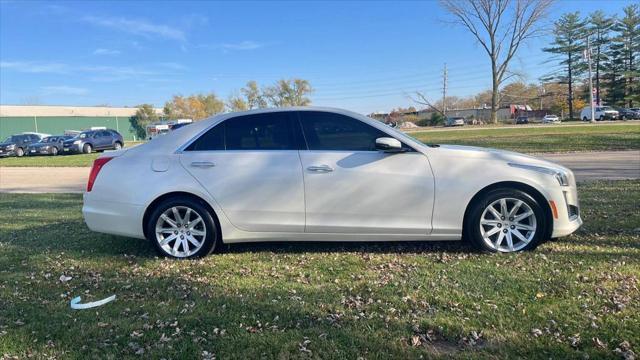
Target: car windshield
12 138
81 136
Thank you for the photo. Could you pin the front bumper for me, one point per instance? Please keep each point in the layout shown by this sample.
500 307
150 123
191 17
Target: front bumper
567 215
72 148
6 153
38 151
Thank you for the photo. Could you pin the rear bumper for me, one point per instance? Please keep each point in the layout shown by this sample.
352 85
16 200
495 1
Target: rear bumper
113 217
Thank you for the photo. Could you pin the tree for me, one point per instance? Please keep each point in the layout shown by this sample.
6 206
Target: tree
500 26
196 107
628 29
144 116
599 26
292 92
253 96
237 103
518 93
568 43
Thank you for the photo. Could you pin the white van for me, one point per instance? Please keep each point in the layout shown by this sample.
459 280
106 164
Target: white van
601 113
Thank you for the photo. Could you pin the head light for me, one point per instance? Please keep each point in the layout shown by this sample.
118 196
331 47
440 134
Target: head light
11 147
561 176
77 142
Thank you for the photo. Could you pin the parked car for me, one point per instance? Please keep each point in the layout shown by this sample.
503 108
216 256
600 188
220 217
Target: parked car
94 140
522 120
319 174
454 121
628 114
16 145
600 113
551 119
50 145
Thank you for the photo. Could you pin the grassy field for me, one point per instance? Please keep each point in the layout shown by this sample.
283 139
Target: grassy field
571 298
541 139
528 139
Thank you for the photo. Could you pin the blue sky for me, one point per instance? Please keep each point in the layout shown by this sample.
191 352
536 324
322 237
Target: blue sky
364 56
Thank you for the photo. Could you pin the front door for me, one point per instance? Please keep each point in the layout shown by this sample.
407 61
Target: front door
251 167
350 187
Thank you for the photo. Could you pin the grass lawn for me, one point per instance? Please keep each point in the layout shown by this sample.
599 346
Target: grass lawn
528 139
571 298
541 139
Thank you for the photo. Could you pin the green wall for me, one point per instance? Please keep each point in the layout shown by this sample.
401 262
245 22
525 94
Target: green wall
55 125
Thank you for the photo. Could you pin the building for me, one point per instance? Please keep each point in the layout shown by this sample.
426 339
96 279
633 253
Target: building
16 119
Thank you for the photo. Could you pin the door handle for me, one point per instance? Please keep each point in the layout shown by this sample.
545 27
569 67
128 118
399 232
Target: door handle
203 164
320 168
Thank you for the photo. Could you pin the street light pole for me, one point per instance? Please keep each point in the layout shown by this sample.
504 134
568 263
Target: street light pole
591 105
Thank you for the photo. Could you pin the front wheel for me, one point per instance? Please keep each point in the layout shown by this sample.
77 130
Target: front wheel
182 228
54 151
505 220
19 152
87 149
117 146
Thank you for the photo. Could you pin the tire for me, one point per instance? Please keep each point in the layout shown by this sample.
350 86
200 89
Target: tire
490 233
19 152
87 149
585 119
176 241
117 146
601 118
54 151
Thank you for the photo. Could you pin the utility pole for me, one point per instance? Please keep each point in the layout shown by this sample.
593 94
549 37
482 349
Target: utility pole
591 105
444 91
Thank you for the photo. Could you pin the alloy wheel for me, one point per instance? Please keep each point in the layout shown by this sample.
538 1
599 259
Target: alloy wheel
180 231
508 225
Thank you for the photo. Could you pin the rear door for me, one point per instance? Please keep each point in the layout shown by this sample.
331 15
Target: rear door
350 187
250 165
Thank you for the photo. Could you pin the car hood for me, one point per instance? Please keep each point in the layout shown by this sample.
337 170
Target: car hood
489 154
40 144
6 144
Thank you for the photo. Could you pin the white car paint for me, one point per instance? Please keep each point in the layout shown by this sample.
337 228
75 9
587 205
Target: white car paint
551 119
274 196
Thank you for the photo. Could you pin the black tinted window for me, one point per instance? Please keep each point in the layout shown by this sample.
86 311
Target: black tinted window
329 131
269 131
211 140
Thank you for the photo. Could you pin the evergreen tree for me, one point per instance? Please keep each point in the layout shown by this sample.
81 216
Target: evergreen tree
568 45
600 27
628 39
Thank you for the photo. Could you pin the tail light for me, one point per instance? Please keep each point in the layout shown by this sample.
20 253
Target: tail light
95 169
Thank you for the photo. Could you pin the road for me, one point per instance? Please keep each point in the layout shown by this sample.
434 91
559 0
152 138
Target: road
608 165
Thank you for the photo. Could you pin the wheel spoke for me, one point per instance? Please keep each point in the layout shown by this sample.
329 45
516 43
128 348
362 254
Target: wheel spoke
176 214
166 240
494 212
187 216
197 232
176 245
503 208
185 245
509 241
520 236
489 222
499 240
523 216
193 240
164 230
515 208
493 230
524 227
168 220
195 222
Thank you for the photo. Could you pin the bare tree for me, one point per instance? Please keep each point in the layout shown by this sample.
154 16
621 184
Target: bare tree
500 26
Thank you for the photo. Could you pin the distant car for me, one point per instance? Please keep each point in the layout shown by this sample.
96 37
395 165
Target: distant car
51 145
522 120
16 145
454 121
628 114
94 140
600 113
551 119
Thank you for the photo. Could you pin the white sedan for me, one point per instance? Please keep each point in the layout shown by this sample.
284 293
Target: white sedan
318 174
551 119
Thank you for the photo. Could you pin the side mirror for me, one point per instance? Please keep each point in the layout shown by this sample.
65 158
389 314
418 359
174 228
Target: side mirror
388 144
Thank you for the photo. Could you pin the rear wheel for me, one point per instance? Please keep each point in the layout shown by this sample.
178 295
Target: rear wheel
182 228
505 220
87 149
117 146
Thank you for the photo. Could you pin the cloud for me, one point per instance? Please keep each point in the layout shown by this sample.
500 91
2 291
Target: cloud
101 51
137 27
63 90
172 66
243 45
35 67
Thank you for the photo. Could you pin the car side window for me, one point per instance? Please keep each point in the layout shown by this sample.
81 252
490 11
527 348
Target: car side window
267 131
105 133
330 131
213 139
